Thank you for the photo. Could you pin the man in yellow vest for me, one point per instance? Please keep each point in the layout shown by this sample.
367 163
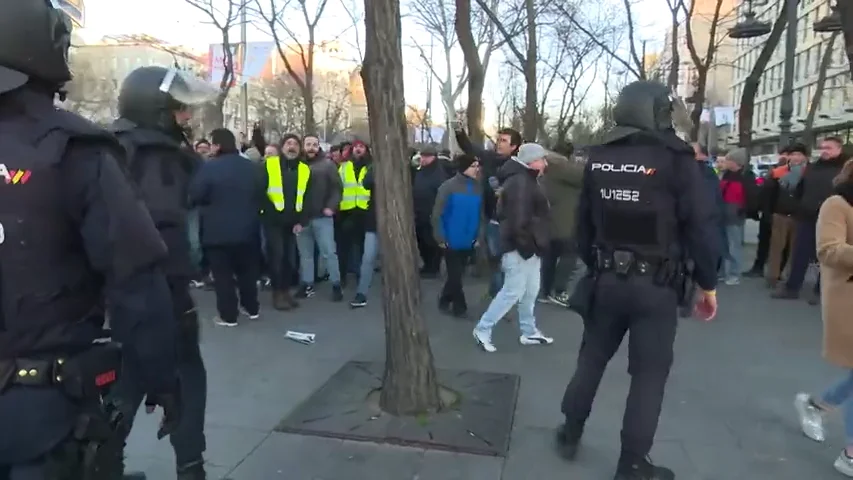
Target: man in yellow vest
352 215
280 216
318 199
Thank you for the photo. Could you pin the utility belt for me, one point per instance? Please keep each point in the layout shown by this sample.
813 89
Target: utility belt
663 271
85 375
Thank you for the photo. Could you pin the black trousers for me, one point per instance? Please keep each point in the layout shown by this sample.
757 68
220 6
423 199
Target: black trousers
765 231
427 247
349 238
648 312
558 266
281 245
452 294
235 269
188 440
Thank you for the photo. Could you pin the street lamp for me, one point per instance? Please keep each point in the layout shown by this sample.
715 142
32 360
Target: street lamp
751 28
830 23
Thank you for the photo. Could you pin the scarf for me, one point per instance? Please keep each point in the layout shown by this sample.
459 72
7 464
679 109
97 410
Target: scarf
791 179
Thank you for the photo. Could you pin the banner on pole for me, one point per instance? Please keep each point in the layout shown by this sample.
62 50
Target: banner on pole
257 56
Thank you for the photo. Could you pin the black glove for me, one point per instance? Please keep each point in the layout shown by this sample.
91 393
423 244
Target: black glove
172 410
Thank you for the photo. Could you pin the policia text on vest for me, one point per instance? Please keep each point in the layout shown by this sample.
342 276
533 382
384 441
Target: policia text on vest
275 189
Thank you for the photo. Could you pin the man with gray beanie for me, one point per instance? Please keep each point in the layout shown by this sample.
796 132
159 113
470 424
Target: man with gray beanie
523 214
736 188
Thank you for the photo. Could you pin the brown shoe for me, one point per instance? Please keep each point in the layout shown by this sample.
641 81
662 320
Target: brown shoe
279 300
288 299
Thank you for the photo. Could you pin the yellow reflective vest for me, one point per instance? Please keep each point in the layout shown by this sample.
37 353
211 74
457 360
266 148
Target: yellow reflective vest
275 189
354 194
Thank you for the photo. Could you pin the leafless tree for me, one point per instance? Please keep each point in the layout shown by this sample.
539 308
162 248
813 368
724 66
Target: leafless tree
92 93
525 52
845 8
297 53
702 63
605 33
820 86
576 75
438 18
746 109
410 384
224 18
674 42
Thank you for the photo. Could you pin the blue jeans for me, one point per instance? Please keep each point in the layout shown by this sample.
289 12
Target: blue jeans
193 228
804 254
493 243
841 395
319 232
734 256
521 285
368 262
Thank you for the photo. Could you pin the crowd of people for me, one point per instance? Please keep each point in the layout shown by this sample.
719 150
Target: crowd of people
295 216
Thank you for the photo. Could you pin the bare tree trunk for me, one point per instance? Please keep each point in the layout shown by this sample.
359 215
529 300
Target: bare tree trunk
750 86
410 385
308 101
825 61
698 104
672 79
845 8
531 100
476 72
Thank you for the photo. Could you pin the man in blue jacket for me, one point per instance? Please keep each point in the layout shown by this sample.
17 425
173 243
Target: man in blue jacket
456 218
229 190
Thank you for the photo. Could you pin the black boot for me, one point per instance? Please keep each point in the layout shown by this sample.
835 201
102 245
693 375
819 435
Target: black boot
568 441
642 470
134 476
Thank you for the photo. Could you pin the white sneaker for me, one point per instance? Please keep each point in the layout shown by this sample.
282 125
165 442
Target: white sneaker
222 323
484 341
811 420
251 317
844 464
536 339
731 281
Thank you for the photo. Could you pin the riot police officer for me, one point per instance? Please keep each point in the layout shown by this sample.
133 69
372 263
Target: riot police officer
155 104
642 219
73 236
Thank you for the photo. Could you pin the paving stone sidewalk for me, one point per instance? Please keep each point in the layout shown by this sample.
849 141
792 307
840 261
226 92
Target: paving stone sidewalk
728 412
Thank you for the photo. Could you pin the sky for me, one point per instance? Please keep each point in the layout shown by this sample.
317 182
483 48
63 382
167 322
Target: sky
177 22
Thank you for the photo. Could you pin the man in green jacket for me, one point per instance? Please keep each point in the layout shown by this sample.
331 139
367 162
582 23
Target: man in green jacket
562 184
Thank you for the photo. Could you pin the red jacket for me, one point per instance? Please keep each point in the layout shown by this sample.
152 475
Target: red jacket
731 185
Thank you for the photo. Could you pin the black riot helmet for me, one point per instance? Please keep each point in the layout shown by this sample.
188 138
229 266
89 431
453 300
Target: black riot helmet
645 105
150 96
34 40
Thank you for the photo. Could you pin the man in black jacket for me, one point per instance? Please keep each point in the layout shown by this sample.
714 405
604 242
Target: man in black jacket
153 112
812 190
228 190
428 177
523 213
506 146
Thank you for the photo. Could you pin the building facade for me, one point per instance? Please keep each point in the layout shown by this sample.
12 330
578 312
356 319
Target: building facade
834 112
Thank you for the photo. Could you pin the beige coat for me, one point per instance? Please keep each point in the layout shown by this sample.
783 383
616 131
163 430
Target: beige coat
835 253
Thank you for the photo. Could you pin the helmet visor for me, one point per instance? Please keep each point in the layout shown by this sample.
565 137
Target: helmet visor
188 89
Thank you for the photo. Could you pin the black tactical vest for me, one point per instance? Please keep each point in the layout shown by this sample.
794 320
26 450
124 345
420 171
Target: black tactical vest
50 296
632 199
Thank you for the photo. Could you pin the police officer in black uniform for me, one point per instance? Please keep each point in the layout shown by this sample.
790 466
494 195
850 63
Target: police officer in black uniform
154 106
73 237
642 220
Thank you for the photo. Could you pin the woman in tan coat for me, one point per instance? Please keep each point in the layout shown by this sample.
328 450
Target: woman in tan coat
835 254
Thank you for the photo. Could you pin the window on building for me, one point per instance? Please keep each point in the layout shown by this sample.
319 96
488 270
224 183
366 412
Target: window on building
797 95
808 62
774 105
